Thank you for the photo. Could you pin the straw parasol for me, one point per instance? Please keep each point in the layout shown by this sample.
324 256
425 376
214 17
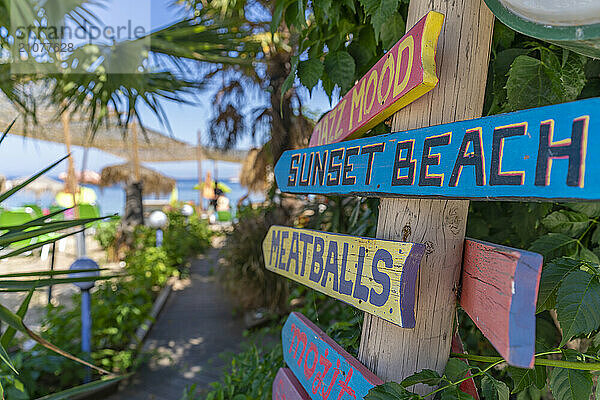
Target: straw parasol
153 181
89 177
41 185
152 146
256 173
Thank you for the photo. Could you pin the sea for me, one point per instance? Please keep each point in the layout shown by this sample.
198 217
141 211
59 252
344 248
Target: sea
111 200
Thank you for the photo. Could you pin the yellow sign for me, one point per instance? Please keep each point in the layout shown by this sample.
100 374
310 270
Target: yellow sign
374 275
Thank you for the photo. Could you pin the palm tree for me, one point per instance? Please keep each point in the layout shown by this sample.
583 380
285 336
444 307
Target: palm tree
278 113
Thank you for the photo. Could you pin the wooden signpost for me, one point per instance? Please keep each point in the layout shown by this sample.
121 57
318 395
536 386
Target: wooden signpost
499 292
404 74
540 153
434 163
287 387
376 276
323 368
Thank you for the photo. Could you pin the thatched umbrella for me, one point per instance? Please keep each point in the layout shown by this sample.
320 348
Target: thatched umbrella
153 182
41 185
256 173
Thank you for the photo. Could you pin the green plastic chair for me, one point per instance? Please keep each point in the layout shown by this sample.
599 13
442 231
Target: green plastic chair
224 216
33 209
88 211
12 218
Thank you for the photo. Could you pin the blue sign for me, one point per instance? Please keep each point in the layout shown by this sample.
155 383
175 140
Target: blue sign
544 153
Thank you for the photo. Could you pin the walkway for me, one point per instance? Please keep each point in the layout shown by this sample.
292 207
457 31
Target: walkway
194 327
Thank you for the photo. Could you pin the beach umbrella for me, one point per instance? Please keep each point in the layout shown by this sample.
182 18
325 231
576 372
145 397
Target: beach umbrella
89 177
41 185
220 185
153 181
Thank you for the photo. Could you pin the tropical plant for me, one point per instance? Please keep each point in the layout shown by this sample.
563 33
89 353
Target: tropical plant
11 244
275 116
337 42
81 80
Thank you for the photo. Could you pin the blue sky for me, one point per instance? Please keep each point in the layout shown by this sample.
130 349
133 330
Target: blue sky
19 156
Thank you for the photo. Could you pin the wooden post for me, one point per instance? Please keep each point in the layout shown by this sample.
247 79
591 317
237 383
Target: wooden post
135 155
199 159
394 353
71 182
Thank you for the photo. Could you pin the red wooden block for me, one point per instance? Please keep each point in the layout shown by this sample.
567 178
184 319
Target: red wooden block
287 387
499 292
467 386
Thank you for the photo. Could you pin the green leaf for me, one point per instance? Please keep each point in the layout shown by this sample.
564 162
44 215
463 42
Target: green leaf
390 391
578 304
589 208
6 359
586 254
340 69
278 14
503 35
524 378
18 235
596 236
26 285
309 72
289 81
570 384
572 74
392 30
34 246
86 388
456 369
531 393
380 14
426 376
14 190
48 273
9 333
493 389
571 223
553 274
530 85
454 393
6 133
554 245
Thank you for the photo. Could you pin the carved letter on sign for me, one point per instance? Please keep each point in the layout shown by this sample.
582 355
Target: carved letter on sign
404 74
540 153
324 369
374 275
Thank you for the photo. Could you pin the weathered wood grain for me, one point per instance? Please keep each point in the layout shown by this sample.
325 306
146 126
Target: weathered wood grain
462 57
287 387
376 276
539 153
404 74
321 366
499 292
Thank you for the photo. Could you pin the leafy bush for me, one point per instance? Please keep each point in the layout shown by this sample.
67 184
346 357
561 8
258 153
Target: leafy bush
250 376
106 232
119 307
243 273
185 237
